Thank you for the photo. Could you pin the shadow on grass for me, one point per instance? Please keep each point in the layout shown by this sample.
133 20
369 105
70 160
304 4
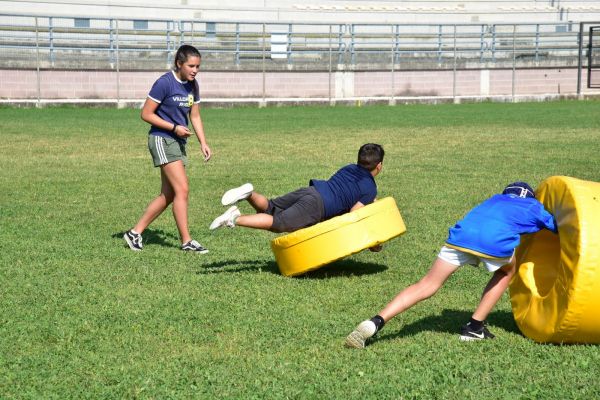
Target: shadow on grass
336 269
155 236
344 268
450 321
233 266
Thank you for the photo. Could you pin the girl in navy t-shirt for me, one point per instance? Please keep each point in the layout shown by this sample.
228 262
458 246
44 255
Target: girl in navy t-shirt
172 102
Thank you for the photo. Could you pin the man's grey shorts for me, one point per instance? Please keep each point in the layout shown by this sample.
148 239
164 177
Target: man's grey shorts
296 210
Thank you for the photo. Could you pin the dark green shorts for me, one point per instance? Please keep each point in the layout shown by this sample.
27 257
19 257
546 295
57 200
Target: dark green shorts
166 150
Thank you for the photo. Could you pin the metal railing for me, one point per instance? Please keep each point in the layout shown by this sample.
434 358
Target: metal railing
97 43
65 43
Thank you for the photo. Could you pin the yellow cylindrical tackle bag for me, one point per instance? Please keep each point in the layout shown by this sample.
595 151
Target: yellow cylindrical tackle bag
310 248
555 294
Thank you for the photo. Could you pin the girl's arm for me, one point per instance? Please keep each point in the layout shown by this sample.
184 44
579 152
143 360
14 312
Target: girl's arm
199 129
149 115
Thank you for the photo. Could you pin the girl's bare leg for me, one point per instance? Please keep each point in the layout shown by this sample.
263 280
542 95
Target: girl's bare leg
156 206
177 178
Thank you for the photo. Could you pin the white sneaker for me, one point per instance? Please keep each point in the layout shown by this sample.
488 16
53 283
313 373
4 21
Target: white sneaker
234 195
226 219
358 337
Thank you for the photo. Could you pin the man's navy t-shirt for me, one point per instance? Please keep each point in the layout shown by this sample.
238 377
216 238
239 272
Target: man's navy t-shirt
175 98
345 188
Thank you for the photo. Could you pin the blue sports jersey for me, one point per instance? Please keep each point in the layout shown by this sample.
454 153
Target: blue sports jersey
175 99
495 226
345 188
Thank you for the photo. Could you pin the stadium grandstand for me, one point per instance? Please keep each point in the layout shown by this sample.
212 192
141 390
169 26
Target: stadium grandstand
301 51
329 11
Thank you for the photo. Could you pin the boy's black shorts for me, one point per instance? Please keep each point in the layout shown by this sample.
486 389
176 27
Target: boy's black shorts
296 210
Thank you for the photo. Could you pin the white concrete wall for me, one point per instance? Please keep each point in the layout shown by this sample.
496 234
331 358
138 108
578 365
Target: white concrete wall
235 86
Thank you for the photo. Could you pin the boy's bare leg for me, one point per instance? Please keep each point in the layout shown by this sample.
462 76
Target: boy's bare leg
257 221
475 329
232 216
439 272
425 288
494 290
259 202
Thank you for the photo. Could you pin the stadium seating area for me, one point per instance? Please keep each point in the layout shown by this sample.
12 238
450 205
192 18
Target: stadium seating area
330 11
293 49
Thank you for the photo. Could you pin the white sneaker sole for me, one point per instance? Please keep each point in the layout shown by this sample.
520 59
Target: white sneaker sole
358 338
355 340
205 251
464 338
234 195
222 219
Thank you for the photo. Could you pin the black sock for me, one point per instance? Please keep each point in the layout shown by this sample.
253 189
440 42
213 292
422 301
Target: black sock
476 325
378 321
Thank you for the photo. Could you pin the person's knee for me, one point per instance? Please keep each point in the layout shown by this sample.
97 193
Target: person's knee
431 290
279 226
182 191
427 288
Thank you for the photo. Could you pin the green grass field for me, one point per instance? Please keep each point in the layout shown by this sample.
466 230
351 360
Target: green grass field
82 316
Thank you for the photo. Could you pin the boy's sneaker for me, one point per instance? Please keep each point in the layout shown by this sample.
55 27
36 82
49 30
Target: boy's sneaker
226 219
134 240
234 195
192 245
468 334
358 337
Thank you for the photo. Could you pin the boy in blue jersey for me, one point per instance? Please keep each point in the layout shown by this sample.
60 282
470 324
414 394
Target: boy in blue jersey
488 234
350 188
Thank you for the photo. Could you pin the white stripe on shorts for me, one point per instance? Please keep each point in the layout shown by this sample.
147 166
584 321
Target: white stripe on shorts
162 156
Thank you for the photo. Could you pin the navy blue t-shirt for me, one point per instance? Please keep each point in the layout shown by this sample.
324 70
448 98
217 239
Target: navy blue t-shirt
175 99
495 226
345 188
